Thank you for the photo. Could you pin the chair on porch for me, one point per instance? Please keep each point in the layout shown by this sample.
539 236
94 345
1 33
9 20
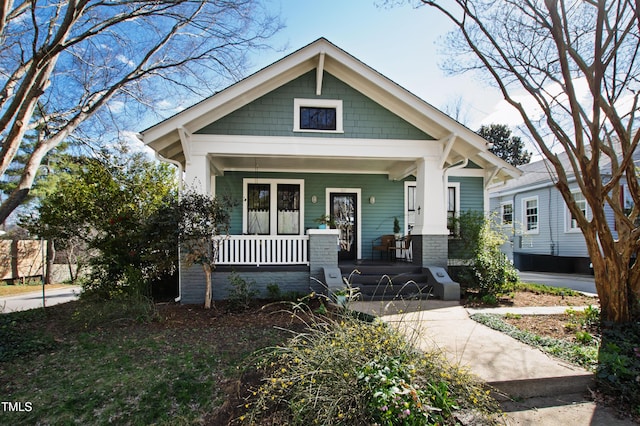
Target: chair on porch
405 249
383 244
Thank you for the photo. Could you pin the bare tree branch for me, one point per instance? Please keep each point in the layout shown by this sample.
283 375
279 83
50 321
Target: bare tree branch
550 49
75 57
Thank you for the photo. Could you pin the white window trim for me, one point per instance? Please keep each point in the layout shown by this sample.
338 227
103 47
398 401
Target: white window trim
509 203
327 209
456 213
524 215
317 103
273 202
407 184
567 216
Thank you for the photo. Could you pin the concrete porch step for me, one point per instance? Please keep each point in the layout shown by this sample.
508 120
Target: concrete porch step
387 281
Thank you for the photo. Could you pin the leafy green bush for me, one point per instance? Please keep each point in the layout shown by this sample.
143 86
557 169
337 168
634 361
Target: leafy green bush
396 399
273 291
584 337
619 363
488 268
591 316
241 292
345 371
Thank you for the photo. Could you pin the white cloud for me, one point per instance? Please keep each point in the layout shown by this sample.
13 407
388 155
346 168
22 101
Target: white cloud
125 60
115 107
130 138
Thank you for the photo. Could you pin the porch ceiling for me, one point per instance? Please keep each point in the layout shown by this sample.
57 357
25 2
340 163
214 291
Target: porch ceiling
396 169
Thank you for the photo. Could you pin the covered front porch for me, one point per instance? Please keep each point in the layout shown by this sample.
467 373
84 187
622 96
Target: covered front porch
301 265
360 189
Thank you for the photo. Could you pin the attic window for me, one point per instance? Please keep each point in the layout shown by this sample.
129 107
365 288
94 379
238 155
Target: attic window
314 118
317 115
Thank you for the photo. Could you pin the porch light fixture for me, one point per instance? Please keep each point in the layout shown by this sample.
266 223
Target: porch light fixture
372 200
314 199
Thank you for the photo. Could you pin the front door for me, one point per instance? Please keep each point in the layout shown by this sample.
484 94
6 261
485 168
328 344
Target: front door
344 214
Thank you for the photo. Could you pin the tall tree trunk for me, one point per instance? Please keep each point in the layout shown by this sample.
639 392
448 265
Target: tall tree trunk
207 294
51 254
614 282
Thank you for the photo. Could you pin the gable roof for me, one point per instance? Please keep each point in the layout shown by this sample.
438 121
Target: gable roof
168 138
541 173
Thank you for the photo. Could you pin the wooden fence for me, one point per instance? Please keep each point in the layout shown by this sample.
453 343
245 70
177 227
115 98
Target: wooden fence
20 259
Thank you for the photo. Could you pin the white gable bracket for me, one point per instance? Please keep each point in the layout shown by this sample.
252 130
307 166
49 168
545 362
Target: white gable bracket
399 173
216 167
447 149
319 74
493 174
185 141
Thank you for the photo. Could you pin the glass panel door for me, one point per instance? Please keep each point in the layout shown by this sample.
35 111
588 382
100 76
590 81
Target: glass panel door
344 215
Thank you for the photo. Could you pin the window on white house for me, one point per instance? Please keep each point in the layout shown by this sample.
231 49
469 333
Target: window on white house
572 221
317 115
530 211
507 213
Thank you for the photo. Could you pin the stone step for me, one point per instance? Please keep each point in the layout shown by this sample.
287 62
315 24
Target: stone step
518 389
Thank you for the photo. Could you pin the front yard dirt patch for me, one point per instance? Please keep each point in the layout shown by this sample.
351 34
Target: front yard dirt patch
529 298
560 326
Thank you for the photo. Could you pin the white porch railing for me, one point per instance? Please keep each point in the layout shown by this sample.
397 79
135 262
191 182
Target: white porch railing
263 250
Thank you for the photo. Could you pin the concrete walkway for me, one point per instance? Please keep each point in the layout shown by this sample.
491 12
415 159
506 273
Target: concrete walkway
547 390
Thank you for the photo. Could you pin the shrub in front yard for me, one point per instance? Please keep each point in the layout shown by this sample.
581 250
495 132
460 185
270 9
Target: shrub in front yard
619 363
487 268
344 371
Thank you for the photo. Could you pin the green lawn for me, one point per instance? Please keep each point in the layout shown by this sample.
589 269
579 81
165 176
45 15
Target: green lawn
74 370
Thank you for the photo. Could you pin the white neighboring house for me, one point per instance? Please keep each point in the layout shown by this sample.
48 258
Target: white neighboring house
543 234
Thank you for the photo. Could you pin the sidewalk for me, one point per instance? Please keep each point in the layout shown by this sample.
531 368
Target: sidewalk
548 391
33 300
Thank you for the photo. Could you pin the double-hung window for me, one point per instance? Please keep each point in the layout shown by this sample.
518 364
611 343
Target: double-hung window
530 215
571 220
506 213
273 207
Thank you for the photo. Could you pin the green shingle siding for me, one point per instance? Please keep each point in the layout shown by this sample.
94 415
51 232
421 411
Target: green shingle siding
377 219
272 114
471 192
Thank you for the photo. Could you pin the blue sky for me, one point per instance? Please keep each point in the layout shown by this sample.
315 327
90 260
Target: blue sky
399 42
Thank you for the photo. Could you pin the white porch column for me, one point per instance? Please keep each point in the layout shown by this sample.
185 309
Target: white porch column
198 174
431 213
430 236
